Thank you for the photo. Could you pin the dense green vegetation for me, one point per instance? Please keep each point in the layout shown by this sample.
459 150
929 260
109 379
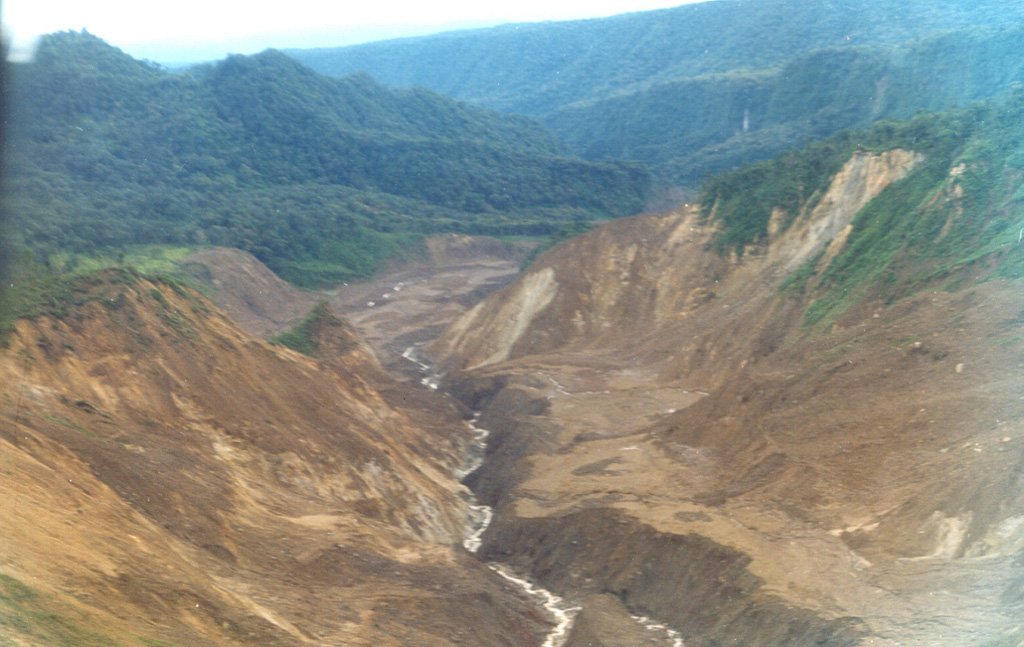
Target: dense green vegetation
304 337
961 209
320 178
56 295
63 295
694 128
743 200
535 67
705 87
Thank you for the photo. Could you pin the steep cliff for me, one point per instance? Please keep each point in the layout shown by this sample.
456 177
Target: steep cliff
631 279
170 479
753 448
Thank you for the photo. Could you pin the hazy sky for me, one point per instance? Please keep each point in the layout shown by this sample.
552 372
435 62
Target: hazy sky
205 29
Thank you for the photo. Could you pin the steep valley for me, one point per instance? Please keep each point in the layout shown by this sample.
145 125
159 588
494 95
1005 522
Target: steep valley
672 441
308 400
670 430
170 479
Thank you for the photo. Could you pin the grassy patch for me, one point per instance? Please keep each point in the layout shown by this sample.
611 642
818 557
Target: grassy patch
143 259
359 256
796 283
55 296
71 425
62 296
35 616
303 337
882 231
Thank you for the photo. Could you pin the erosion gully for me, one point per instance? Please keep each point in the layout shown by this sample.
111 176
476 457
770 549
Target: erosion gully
562 611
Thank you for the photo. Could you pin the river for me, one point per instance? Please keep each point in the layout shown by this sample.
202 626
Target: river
479 517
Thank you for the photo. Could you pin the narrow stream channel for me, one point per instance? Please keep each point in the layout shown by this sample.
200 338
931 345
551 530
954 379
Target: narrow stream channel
480 517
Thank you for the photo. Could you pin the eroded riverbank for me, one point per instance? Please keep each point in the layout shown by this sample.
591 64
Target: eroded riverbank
636 480
480 517
663 586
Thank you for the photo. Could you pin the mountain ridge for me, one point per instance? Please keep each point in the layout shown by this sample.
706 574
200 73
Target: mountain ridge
259 152
699 89
785 414
174 480
574 37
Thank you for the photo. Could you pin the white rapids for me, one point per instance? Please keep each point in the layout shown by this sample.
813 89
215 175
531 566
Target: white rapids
480 517
429 378
670 634
563 613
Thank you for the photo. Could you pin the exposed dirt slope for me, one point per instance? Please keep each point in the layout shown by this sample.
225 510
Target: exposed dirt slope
414 302
858 483
634 277
170 479
247 291
410 303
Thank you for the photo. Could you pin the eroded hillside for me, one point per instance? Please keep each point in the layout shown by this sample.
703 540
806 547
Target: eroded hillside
170 479
726 445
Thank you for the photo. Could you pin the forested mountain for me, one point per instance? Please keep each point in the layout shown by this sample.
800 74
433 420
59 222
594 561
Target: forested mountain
694 128
701 87
318 177
960 210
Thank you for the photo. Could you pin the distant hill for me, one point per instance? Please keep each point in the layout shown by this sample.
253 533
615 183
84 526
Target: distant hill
693 128
320 178
673 87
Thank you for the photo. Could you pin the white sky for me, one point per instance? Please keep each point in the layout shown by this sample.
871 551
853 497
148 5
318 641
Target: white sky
205 29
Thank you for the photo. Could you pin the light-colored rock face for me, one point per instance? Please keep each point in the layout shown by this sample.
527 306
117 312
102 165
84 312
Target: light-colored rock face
634 275
494 337
619 280
861 179
871 470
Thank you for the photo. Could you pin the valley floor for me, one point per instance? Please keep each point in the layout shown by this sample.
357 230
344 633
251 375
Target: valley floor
599 428
796 537
765 488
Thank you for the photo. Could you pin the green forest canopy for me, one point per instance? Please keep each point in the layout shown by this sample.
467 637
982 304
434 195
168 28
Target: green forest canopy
320 178
962 208
704 87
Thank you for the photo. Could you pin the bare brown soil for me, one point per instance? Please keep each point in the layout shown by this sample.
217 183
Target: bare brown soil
668 440
414 303
858 483
407 305
170 479
247 291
